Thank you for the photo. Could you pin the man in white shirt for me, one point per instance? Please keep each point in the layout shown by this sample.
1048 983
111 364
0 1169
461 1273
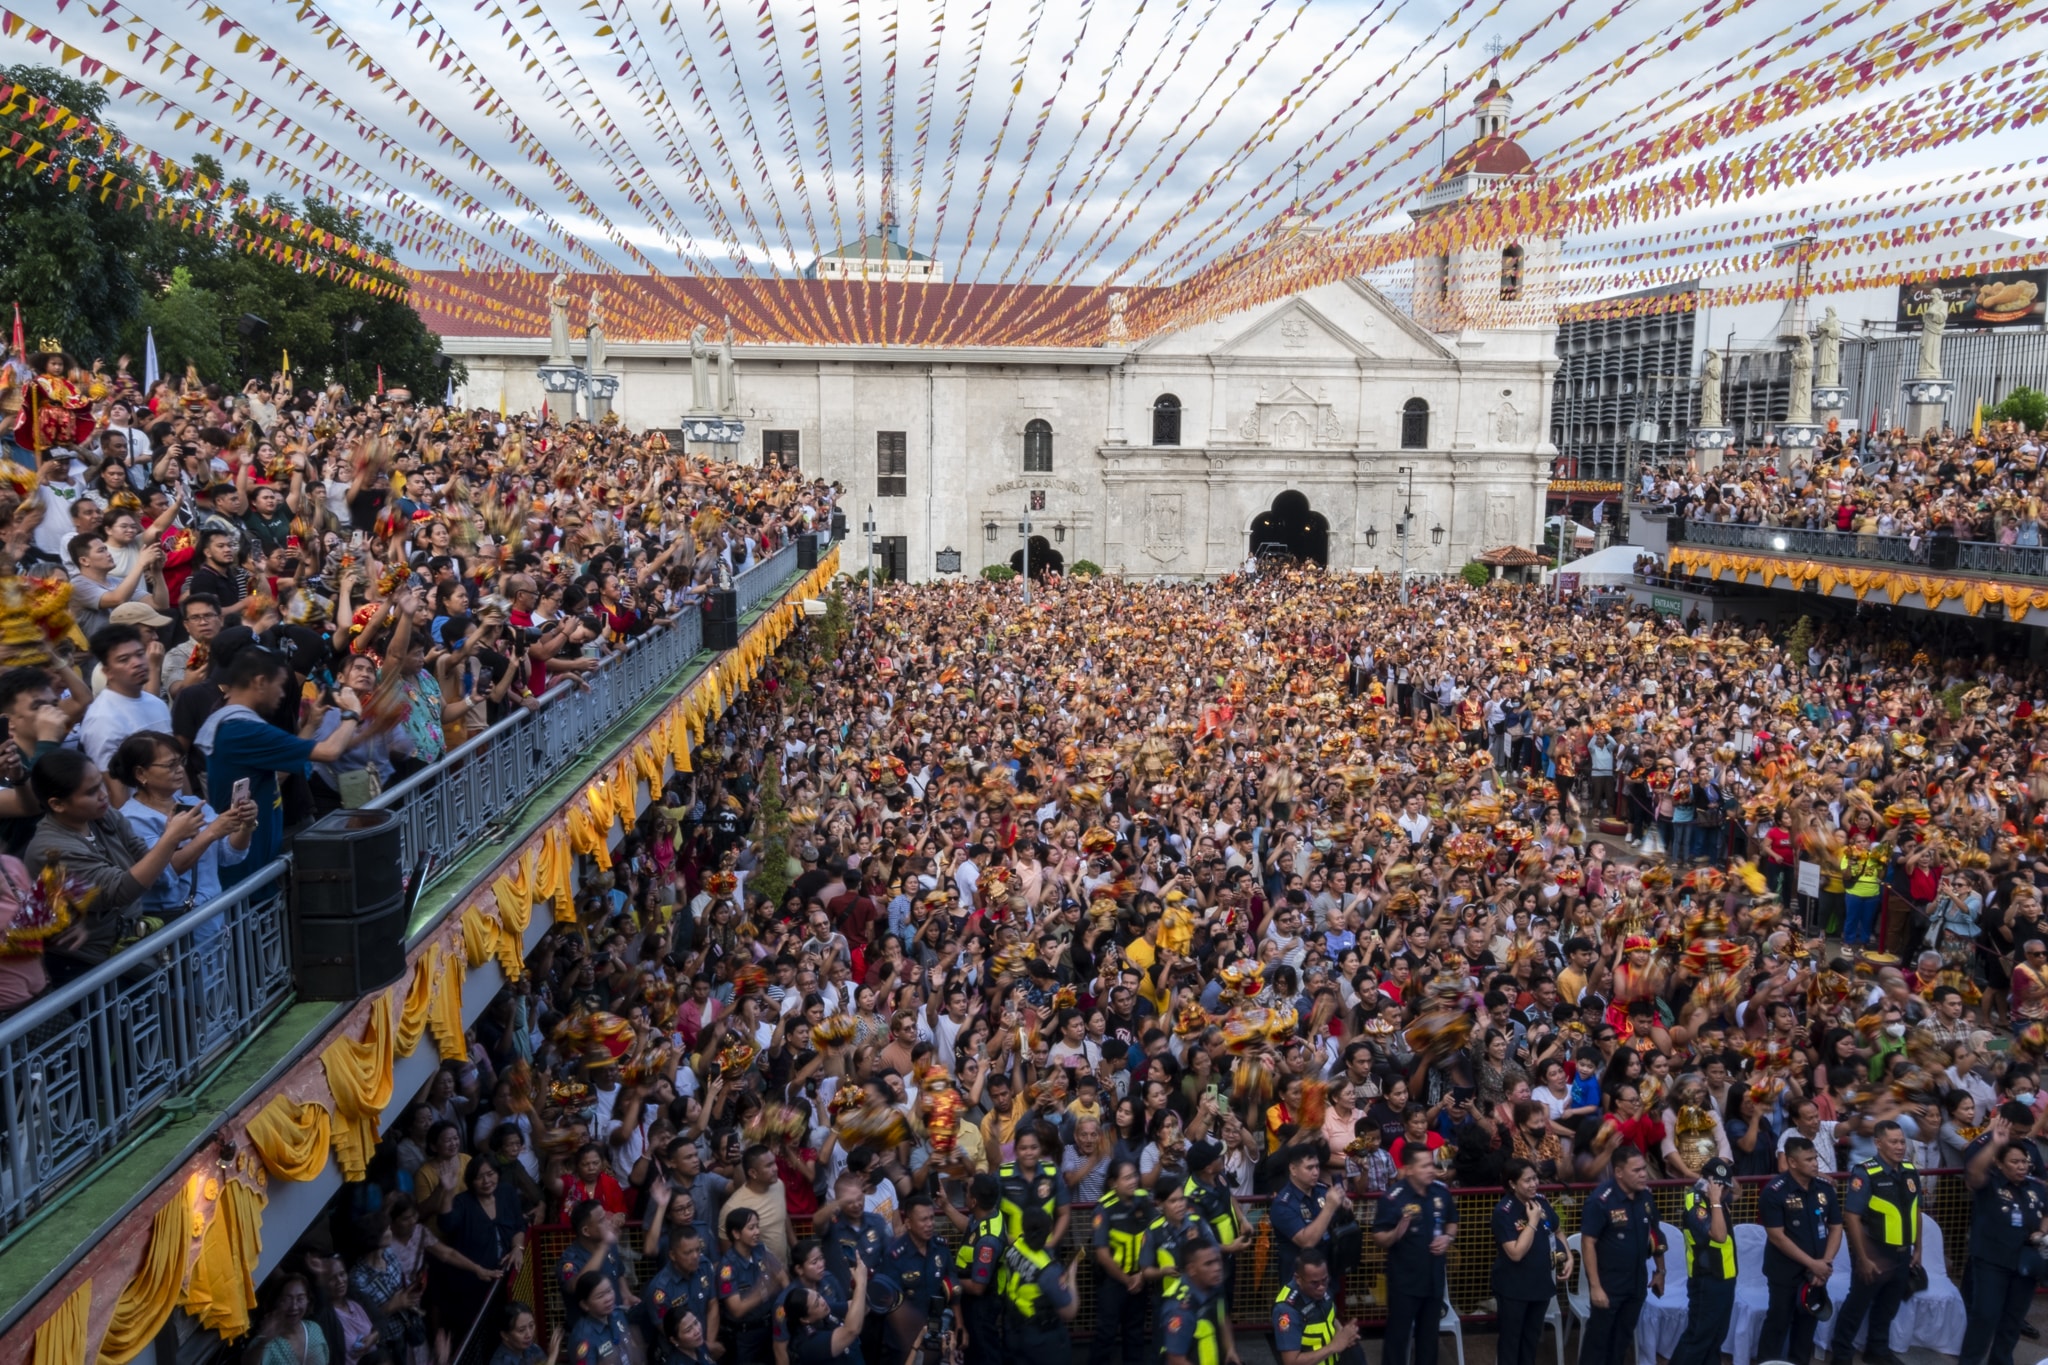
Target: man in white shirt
967 876
1414 821
1807 1123
127 706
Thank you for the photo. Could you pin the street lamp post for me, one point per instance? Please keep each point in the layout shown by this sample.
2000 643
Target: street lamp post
868 529
1407 515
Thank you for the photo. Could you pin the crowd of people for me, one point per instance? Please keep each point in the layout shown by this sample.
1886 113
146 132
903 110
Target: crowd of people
223 614
1154 945
1981 486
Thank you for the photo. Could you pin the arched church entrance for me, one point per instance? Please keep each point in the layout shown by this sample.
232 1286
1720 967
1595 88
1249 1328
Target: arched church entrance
1044 559
1290 526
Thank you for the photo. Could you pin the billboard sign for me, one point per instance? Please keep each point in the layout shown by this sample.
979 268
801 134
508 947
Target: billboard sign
2009 298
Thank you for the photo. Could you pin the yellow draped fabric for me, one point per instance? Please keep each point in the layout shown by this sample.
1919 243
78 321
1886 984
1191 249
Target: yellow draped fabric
222 1290
597 801
445 1017
515 897
2017 598
587 836
419 1002
360 1074
480 934
647 759
554 875
61 1340
625 790
291 1137
146 1302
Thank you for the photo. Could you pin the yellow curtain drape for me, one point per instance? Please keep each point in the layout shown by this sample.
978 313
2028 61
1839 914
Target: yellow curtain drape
292 1137
647 759
480 934
360 1074
445 1016
222 1291
515 912
587 836
147 1300
61 1340
419 1003
598 804
554 874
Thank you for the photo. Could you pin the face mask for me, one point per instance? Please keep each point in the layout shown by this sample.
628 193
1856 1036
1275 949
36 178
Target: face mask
2023 1096
1895 1030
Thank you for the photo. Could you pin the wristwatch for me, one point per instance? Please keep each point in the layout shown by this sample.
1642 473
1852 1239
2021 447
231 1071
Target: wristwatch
352 715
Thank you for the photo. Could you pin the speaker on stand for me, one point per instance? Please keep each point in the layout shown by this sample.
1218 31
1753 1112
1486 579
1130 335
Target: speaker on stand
350 904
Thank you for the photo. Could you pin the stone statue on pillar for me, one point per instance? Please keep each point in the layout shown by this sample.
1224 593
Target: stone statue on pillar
594 332
558 322
728 387
1799 403
1827 357
1933 322
700 371
1710 390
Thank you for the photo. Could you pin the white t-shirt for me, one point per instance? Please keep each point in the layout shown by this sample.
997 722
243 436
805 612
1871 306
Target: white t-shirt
112 718
1823 1144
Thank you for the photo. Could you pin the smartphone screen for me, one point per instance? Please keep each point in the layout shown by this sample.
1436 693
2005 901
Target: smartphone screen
240 792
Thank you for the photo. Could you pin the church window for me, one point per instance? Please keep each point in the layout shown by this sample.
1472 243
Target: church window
1415 425
892 464
1166 420
1511 272
1038 446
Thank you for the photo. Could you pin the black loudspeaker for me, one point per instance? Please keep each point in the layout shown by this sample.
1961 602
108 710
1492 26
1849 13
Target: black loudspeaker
349 905
721 619
838 524
807 550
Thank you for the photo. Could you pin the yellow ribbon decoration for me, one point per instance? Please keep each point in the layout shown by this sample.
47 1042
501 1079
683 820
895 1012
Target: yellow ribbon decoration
61 1339
360 1075
223 1286
146 1301
292 1138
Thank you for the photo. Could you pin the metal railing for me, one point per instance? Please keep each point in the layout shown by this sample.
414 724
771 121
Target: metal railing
1792 540
2013 561
85 1065
81 1067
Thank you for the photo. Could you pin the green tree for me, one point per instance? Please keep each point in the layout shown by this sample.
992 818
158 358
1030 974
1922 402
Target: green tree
2028 407
187 323
1476 574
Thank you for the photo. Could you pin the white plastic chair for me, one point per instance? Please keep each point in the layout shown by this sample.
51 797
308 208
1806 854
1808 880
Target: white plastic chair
1577 1296
1553 1318
1663 1319
1752 1293
1454 1325
1939 1316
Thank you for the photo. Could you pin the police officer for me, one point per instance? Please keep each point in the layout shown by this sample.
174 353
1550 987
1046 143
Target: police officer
684 1280
1037 1294
816 1336
974 1269
750 1282
917 1262
2007 1213
1303 1209
1802 1221
848 1231
1709 1228
1166 1241
596 1248
1618 1234
1305 1327
2019 1119
1123 1218
1883 1219
1194 1324
1031 1181
1416 1221
683 1340
599 1336
1211 1201
1526 1262
807 1272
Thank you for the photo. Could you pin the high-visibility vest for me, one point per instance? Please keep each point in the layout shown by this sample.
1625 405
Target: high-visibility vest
1894 1203
1215 1208
991 1226
1017 1283
1127 1226
1017 1194
1702 1268
1208 1343
1316 1333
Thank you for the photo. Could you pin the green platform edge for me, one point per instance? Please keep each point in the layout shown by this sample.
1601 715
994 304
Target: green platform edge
39 1253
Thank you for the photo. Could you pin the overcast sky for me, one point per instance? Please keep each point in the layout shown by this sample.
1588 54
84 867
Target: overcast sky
1125 140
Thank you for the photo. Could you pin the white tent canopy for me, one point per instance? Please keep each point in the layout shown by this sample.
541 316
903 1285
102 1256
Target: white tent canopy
1615 564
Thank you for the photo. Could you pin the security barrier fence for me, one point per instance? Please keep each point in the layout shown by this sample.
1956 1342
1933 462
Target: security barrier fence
1945 1200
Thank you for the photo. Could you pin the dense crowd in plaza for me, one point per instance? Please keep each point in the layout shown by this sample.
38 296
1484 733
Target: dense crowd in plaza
1139 944
1985 486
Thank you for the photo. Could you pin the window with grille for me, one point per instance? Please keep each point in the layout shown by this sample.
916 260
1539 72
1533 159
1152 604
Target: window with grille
892 464
1511 272
782 449
1166 420
1415 425
1038 446
892 556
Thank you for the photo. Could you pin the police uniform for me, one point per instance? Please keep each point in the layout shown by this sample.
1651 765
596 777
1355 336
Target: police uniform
831 1288
671 1289
1191 1325
1302 1322
569 1269
591 1342
1524 1289
1291 1211
1162 1251
811 1344
1710 1278
1033 1290
1121 1227
2037 1167
1022 1188
1807 1215
746 1338
981 1314
1623 1233
2003 1220
845 1239
1887 1199
922 1274
1212 1207
1415 1274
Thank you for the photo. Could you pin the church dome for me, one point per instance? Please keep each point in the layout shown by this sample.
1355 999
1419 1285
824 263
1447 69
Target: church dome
1490 156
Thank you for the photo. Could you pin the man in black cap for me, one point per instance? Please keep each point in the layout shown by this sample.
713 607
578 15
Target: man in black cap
1802 1222
1709 1228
